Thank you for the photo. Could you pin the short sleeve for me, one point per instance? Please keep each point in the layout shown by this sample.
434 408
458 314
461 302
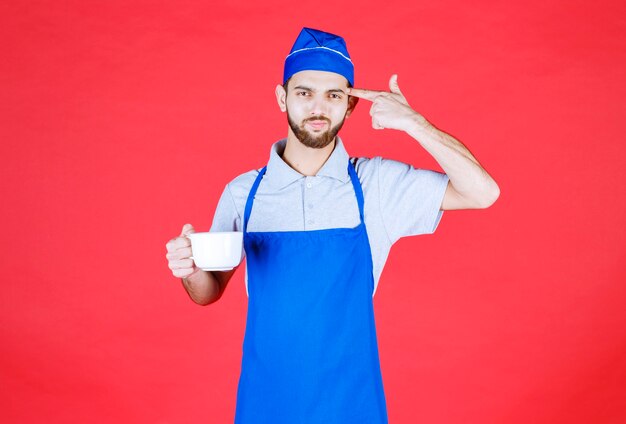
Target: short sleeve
226 217
410 198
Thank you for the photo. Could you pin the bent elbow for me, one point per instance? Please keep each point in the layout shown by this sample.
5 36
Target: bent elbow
491 198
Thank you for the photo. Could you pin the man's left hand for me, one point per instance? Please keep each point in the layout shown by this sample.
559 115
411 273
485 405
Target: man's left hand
389 108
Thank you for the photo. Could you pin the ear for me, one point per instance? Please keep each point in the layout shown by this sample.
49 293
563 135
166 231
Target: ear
352 101
281 98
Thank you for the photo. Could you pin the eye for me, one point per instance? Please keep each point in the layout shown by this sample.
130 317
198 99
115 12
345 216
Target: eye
336 96
299 93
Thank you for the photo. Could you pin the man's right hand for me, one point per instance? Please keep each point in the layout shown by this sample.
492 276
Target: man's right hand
179 254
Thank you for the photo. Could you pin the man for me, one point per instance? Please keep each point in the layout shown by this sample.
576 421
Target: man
318 226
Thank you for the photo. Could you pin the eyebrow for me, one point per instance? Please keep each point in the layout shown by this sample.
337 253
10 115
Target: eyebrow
333 90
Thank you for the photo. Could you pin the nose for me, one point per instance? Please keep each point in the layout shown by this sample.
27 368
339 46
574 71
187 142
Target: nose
318 106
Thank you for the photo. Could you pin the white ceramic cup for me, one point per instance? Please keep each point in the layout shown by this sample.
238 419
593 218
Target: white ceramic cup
217 251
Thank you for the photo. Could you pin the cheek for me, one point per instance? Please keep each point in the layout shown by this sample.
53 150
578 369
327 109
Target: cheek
295 108
339 112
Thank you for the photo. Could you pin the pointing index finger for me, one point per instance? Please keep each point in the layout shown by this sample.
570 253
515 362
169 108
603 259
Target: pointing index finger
364 94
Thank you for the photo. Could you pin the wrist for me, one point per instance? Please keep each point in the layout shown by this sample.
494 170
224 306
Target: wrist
193 273
419 126
418 123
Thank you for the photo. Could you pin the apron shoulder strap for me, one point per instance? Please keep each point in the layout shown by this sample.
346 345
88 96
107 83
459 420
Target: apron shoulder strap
358 191
255 186
357 187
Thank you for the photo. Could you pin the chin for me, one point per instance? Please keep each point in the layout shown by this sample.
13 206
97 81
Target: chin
317 142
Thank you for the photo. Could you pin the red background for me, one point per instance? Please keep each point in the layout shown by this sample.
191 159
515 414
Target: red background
121 121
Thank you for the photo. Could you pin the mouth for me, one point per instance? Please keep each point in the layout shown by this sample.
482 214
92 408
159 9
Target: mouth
317 125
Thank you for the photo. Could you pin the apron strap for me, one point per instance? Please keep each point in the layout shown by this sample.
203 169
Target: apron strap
255 186
357 188
358 191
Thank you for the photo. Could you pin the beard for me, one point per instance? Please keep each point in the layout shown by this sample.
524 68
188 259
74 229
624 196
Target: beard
315 141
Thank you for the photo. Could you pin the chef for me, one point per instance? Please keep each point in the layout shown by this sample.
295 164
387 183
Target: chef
317 227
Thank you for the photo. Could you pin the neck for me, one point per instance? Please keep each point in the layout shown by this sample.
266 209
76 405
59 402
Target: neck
306 160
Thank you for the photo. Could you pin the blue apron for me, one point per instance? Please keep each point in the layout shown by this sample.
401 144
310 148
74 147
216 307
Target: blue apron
310 353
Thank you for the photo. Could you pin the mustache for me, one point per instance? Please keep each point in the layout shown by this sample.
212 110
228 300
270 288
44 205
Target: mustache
316 118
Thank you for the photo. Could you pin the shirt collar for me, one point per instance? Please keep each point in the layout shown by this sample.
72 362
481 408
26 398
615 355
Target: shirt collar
281 175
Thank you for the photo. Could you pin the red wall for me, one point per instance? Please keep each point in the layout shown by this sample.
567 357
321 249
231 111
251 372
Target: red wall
121 121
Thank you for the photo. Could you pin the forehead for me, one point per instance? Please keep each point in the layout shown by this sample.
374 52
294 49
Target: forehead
319 80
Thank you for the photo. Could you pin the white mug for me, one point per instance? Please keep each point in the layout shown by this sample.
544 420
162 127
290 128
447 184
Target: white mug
217 251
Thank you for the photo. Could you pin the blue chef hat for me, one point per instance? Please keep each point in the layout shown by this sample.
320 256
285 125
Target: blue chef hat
319 51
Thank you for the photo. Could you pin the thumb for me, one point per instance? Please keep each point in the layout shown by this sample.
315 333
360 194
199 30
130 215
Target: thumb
393 84
187 229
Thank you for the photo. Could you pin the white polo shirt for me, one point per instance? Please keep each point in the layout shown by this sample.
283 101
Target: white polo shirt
399 200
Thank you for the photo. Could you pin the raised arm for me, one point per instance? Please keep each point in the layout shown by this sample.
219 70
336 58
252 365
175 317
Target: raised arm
470 186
